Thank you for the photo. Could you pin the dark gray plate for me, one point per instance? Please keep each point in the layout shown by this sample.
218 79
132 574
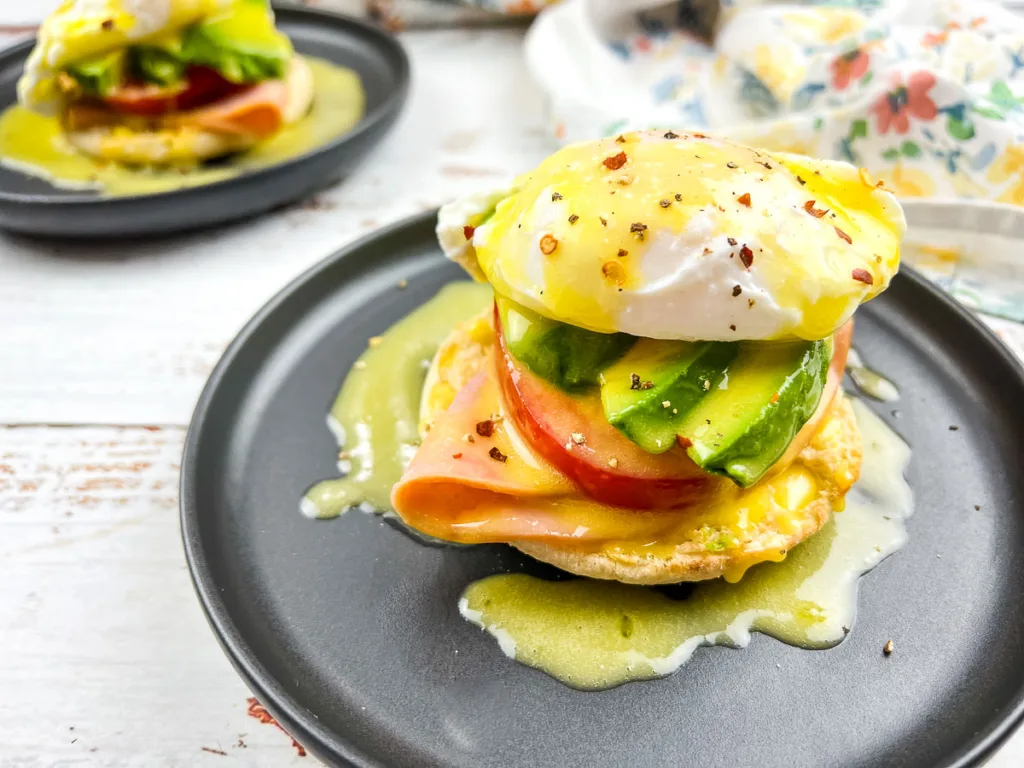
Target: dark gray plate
349 632
32 206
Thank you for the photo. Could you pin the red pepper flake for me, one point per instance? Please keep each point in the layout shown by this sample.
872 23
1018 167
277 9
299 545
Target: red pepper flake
863 276
615 162
775 398
731 164
815 212
746 256
736 290
685 442
707 251
647 385
556 196
731 240
573 218
844 236
603 220
623 253
744 199
258 711
664 203
497 455
620 139
613 271
732 327
638 229
457 455
485 428
467 232
671 135
801 180
679 197
107 25
548 244
700 136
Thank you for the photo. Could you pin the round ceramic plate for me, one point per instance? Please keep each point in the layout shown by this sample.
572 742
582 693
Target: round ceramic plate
32 206
348 630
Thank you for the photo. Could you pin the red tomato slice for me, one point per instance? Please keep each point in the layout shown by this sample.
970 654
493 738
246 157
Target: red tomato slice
201 86
607 465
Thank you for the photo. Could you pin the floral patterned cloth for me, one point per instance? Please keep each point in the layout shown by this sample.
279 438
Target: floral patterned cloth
927 95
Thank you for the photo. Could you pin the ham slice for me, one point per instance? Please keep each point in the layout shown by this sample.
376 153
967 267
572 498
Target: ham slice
497 489
257 112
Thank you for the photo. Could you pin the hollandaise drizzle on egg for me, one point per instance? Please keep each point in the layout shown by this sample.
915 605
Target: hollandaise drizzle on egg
683 236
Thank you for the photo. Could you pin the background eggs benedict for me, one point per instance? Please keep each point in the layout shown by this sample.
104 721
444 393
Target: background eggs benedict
165 82
655 396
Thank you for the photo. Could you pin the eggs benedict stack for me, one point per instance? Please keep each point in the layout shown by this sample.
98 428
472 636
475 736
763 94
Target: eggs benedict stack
165 82
655 395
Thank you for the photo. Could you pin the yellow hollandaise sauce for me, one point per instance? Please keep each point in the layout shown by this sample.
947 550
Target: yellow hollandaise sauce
35 145
594 635
597 634
870 382
376 414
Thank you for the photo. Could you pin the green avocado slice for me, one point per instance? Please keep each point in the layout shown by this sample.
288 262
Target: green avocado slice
567 356
745 425
241 43
99 75
159 61
649 392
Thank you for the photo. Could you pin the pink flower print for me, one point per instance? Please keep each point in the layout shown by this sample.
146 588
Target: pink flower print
894 108
848 67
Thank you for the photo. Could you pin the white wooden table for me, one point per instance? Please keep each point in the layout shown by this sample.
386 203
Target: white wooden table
105 657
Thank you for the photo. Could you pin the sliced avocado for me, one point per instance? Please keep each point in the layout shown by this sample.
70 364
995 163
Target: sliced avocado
241 43
744 426
159 61
570 357
649 392
99 75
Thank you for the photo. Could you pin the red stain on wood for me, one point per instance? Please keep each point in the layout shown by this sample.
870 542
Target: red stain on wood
114 466
259 712
114 483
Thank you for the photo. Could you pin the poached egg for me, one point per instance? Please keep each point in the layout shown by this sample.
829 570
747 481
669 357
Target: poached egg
672 235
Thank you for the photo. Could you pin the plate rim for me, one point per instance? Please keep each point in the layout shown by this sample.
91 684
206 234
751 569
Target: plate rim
303 724
395 100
